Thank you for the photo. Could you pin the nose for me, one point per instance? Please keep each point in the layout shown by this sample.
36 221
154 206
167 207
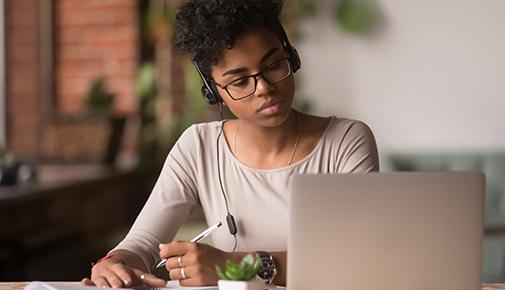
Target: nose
263 87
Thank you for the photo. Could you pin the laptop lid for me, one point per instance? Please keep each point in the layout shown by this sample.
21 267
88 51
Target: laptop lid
386 231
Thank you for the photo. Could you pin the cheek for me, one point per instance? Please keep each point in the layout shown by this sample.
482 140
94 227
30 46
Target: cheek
241 109
287 88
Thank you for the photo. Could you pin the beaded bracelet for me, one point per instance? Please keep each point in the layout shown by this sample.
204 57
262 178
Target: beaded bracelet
111 256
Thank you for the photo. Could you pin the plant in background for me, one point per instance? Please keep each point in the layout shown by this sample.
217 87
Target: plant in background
244 270
358 16
99 99
146 91
13 171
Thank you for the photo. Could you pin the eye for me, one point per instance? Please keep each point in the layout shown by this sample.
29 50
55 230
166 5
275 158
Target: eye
240 83
274 65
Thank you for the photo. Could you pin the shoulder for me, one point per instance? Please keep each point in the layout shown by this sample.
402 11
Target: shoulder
200 132
192 145
350 142
352 137
335 128
357 148
348 129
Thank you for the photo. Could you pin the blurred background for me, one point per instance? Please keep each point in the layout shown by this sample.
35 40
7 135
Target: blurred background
93 94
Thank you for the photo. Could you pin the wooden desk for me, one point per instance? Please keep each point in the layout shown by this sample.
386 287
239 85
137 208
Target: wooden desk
21 285
12 285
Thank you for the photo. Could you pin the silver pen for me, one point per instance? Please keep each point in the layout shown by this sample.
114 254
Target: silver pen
196 239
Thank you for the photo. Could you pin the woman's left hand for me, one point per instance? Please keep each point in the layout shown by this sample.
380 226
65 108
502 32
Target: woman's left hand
193 264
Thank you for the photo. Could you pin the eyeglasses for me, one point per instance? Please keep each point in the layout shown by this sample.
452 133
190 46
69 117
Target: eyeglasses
243 87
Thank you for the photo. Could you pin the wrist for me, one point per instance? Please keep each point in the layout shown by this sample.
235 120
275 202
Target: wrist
268 270
111 258
235 256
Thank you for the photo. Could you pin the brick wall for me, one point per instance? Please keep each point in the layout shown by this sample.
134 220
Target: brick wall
91 38
96 37
22 76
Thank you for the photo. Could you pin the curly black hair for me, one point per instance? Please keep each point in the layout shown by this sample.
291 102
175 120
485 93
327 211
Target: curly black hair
204 28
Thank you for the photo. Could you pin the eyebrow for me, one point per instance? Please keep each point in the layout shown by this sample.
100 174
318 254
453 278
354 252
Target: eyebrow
243 69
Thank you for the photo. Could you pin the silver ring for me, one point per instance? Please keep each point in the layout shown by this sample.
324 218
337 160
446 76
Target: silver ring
143 276
183 274
179 260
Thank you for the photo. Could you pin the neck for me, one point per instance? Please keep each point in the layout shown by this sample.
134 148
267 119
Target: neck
273 140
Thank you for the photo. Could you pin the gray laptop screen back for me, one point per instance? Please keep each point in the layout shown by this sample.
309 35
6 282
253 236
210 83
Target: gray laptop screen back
386 231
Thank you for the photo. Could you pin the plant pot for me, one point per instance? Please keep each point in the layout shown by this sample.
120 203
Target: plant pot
241 285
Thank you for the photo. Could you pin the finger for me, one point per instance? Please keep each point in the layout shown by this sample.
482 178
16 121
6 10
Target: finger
153 281
87 282
149 279
125 274
113 279
177 262
180 273
100 281
179 248
176 248
199 276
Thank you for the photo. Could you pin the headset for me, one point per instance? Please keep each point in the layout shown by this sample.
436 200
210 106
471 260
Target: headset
211 96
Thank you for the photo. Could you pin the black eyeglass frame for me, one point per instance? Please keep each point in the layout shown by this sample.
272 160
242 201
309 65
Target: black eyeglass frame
255 76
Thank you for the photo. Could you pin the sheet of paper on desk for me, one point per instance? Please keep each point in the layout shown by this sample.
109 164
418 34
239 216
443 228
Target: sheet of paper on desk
171 285
36 285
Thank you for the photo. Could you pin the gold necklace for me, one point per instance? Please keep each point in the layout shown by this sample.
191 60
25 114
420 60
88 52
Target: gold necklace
297 137
294 147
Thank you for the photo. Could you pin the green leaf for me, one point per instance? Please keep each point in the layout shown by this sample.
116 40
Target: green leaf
357 16
244 270
247 261
257 265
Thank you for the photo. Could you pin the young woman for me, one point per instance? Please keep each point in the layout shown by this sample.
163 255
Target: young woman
239 168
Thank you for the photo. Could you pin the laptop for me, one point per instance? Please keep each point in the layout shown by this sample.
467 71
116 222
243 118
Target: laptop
386 231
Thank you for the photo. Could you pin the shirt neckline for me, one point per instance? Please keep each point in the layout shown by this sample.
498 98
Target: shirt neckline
228 152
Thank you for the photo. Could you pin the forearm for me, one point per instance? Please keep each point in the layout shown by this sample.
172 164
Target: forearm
131 259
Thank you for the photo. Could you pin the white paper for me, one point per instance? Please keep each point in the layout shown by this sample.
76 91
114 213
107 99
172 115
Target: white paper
37 285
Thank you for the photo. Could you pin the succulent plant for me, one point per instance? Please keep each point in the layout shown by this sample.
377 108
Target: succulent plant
244 270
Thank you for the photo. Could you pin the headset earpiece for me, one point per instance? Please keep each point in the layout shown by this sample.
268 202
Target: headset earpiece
294 58
209 91
209 96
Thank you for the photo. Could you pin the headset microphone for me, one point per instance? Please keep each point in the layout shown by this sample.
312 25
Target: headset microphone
232 226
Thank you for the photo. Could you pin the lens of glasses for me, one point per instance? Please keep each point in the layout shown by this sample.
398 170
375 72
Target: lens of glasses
241 88
246 86
277 72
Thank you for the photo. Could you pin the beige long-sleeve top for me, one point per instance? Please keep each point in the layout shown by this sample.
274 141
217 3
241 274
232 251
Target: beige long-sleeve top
258 198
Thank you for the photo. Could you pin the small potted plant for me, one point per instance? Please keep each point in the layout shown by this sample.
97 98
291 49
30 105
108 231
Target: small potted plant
240 276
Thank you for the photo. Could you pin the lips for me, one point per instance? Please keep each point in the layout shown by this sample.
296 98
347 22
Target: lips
267 105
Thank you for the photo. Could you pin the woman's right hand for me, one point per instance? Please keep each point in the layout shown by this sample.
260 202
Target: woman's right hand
113 273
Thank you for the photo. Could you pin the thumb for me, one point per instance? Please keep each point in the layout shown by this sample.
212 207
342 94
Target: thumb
87 282
149 279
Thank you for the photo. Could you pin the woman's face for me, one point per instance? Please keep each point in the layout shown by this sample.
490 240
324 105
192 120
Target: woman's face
254 51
